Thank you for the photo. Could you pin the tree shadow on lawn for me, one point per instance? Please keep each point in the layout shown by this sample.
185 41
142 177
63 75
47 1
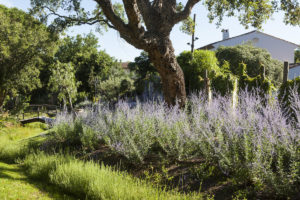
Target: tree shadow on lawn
15 173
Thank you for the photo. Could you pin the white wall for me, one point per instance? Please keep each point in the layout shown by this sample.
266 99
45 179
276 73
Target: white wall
279 49
294 72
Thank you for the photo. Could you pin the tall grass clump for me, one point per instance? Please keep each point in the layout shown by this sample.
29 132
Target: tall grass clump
11 151
255 142
88 180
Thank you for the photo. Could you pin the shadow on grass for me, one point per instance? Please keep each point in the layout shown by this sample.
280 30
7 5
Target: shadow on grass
17 174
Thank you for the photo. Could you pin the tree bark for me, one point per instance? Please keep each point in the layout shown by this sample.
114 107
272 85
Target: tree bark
2 98
164 60
159 18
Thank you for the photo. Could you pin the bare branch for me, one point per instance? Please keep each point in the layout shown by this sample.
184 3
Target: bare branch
186 11
76 21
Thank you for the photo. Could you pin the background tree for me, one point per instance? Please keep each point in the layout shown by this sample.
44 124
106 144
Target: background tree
83 53
25 43
144 71
112 85
194 66
254 58
63 82
147 25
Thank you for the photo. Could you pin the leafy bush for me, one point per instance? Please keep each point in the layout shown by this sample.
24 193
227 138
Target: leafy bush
75 134
194 66
253 57
264 85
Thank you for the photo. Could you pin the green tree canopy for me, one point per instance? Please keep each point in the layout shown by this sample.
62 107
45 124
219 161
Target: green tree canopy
254 58
24 43
112 85
63 82
83 53
144 71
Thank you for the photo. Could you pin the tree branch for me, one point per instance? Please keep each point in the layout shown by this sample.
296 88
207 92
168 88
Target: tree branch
186 11
145 9
132 12
126 32
77 21
108 11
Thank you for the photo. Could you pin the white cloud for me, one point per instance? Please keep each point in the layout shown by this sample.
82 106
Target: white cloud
7 3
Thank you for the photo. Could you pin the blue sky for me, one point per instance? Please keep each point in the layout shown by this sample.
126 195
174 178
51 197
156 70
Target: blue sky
207 33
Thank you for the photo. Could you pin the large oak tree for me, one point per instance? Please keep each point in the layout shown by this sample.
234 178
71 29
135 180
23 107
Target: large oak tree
24 45
147 24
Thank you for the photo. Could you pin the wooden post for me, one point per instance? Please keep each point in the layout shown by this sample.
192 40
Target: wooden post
207 87
263 72
285 72
193 35
23 116
38 112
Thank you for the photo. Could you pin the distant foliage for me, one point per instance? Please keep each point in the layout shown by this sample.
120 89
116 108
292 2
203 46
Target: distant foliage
63 82
25 43
254 58
145 73
112 85
83 53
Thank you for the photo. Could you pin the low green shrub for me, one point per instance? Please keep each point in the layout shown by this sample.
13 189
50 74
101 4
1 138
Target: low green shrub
224 84
75 134
88 180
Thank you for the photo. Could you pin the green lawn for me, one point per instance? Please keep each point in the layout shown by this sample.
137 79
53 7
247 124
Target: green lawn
14 184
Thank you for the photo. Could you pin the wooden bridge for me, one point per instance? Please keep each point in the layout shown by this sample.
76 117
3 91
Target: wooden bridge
45 120
37 109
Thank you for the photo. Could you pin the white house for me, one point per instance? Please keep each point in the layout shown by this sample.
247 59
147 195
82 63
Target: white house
279 49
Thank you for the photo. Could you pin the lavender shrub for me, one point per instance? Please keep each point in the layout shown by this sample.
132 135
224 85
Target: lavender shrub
253 142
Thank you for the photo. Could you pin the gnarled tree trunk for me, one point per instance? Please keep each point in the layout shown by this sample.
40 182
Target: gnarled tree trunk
164 60
159 17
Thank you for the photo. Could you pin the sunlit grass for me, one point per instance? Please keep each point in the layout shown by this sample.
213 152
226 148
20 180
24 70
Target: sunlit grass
14 184
18 132
89 180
